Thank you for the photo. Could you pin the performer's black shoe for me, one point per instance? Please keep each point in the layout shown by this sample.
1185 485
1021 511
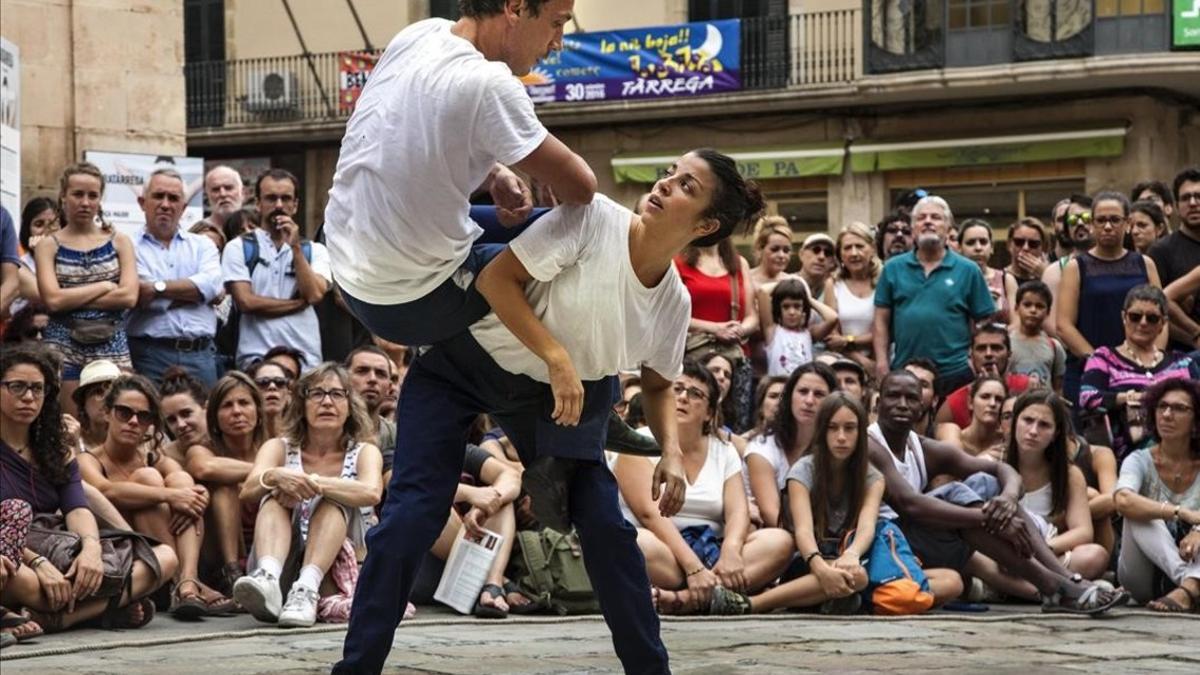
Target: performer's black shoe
545 480
623 439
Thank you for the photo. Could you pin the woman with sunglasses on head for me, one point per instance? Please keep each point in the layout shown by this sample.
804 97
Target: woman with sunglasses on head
236 430
1094 286
37 466
311 484
274 382
151 490
1115 378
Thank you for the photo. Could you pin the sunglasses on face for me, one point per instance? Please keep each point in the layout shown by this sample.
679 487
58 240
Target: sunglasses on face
894 229
124 413
19 388
268 382
824 250
1151 318
1021 242
1074 219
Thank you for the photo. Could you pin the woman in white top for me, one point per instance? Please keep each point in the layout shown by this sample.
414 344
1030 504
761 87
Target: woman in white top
984 436
1056 496
788 329
311 484
736 558
852 294
769 457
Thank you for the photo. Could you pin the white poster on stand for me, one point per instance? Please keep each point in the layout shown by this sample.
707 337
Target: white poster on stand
125 175
10 128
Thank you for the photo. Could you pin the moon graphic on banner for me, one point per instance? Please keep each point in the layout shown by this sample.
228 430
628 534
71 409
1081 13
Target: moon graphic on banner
712 43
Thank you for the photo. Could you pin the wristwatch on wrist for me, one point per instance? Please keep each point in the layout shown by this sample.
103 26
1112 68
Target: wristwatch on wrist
850 339
160 287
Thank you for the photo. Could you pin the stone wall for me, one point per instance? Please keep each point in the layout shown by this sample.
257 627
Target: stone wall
95 75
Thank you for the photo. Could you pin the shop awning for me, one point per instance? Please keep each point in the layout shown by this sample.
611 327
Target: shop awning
866 156
824 159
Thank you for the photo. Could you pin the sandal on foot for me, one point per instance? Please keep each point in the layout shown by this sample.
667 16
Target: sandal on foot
1168 605
533 605
188 607
121 618
483 611
19 626
1093 601
726 602
842 606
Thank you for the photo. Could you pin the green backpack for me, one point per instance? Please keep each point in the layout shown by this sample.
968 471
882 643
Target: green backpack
549 569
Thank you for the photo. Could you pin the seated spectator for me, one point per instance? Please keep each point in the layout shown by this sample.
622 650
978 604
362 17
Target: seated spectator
631 385
1028 243
94 381
369 369
87 278
1147 224
151 490
635 414
991 350
1034 353
853 295
1056 497
926 373
16 516
975 241
851 378
274 381
833 491
236 429
786 328
311 484
387 407
766 403
489 497
1099 467
1115 377
183 401
722 371
28 324
709 541
1159 496
947 526
38 468
791 432
983 437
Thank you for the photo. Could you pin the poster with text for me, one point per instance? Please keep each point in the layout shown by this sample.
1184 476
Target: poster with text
1185 24
657 62
353 70
10 128
125 176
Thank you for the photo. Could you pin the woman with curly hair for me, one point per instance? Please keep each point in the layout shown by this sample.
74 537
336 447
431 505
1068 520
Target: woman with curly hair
312 485
38 468
151 490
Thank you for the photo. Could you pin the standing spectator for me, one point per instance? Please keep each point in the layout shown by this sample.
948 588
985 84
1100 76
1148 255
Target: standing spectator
370 370
772 250
785 329
853 296
1115 376
1095 284
87 277
1073 232
1179 253
38 219
1181 291
223 187
894 235
1027 246
10 263
991 350
1147 224
1034 353
1159 496
975 237
276 286
1155 191
180 276
928 300
817 264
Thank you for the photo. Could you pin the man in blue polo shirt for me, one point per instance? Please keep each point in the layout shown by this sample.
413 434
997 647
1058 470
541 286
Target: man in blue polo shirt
927 300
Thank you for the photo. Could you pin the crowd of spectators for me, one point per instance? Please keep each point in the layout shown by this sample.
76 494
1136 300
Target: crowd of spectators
193 416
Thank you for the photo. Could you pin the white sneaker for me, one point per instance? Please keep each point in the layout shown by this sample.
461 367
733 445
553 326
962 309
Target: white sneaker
300 610
259 594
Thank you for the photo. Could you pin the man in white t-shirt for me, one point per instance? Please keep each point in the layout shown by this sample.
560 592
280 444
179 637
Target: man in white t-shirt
442 116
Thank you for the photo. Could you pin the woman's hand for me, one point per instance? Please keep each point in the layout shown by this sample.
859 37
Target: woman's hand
486 498
835 582
567 389
848 562
700 587
836 342
730 331
1189 546
54 585
7 569
731 571
188 500
293 483
71 431
87 571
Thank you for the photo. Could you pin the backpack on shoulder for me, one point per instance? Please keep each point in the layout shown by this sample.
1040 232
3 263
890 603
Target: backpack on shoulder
229 333
548 567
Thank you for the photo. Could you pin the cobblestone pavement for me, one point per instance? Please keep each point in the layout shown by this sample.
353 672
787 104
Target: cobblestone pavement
1004 641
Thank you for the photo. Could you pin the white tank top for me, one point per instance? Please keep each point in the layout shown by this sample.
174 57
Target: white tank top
855 314
292 459
912 466
1039 503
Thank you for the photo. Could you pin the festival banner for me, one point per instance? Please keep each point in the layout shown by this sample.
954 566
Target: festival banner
125 175
662 61
353 70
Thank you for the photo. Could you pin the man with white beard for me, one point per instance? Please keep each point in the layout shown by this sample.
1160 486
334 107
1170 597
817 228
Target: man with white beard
927 301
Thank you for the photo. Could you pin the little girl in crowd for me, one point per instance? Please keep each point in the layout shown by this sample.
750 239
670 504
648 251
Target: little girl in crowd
786 334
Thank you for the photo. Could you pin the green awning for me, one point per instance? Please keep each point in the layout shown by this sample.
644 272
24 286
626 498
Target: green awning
825 159
866 156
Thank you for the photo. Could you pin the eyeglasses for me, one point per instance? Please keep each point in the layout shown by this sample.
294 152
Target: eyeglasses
1189 197
893 229
1021 242
693 393
1108 220
1151 318
124 413
316 395
268 382
1076 218
19 388
1173 408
